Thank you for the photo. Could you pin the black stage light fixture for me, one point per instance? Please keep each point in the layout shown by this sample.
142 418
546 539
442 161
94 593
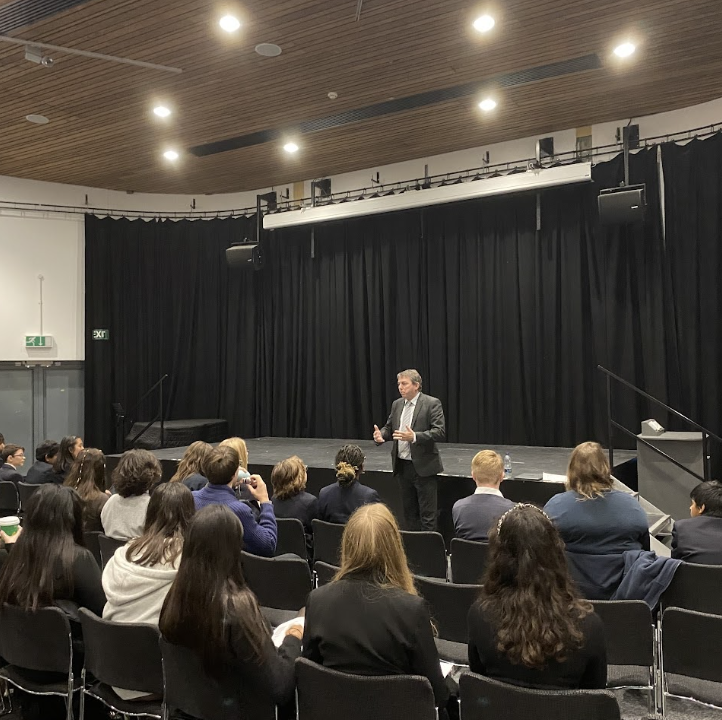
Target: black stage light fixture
244 256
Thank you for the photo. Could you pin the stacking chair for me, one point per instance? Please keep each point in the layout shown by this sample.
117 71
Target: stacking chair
690 664
291 537
9 500
325 694
631 656
189 689
324 573
695 587
449 605
125 655
281 585
482 698
25 492
40 641
468 560
91 542
327 541
108 546
425 552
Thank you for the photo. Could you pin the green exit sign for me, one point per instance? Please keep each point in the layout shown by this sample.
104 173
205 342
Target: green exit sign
101 334
38 341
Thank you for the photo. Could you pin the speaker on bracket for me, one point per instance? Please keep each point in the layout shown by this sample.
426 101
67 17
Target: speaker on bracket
623 205
243 256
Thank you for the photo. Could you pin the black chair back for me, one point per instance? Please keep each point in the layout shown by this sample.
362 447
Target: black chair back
9 500
25 492
695 587
36 640
690 644
191 690
482 698
327 541
425 552
91 542
324 573
468 561
629 631
281 583
124 655
325 694
291 537
449 605
108 546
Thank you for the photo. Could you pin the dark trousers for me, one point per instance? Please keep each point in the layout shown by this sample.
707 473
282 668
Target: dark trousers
418 497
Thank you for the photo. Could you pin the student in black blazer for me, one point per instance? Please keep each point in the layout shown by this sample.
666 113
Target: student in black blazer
13 458
415 424
337 502
45 456
369 620
474 515
290 499
698 539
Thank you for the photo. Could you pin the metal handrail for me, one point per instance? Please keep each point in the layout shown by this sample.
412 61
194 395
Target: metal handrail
159 415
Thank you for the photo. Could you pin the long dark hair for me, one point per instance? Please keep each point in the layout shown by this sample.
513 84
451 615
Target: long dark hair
87 474
210 593
41 562
528 595
65 459
169 513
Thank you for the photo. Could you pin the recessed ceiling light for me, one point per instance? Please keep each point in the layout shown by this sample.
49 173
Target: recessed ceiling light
290 147
170 155
37 119
161 111
487 104
268 50
229 23
484 23
624 50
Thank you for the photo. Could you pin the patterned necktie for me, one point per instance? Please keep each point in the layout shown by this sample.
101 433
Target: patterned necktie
406 415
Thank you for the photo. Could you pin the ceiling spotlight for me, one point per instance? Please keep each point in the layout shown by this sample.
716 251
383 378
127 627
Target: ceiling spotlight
624 50
484 23
161 111
290 147
229 23
170 155
487 104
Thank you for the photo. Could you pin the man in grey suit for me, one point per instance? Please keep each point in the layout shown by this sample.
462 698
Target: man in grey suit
416 423
476 514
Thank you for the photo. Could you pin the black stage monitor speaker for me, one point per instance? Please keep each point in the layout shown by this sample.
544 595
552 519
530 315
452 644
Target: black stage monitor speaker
244 256
620 206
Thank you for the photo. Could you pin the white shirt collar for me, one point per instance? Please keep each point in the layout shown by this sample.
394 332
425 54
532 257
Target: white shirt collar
413 402
487 491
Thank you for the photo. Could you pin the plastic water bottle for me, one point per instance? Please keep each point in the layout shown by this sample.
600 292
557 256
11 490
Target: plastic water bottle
507 466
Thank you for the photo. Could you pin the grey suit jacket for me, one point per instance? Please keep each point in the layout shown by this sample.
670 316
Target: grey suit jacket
430 427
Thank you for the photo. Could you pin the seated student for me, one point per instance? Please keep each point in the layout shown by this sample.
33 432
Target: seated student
369 620
597 523
242 491
123 516
87 478
290 499
337 502
474 515
529 626
49 562
70 448
211 610
221 468
13 458
698 539
190 468
45 455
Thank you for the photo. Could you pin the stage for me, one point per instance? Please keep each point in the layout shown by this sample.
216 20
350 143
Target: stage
528 484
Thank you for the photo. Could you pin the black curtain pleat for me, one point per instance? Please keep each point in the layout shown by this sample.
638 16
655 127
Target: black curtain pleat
505 319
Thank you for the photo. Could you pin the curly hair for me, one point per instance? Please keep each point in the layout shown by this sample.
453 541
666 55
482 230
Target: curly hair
349 464
136 472
527 593
288 478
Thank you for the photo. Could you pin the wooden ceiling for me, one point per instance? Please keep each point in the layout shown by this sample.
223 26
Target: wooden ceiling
103 133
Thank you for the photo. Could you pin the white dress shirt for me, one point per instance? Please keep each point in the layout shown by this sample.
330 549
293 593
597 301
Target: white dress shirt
404 448
485 490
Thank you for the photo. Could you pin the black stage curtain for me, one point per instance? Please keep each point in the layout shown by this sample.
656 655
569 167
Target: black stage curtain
505 322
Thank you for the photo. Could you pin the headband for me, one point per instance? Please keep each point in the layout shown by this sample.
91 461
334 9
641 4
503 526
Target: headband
516 507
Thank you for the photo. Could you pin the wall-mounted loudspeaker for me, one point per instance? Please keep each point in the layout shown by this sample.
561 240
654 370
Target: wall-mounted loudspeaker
620 206
244 256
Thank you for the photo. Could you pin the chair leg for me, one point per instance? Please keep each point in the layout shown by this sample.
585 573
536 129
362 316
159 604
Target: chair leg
82 695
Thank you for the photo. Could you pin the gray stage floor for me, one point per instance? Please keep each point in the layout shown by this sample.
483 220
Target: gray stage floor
318 453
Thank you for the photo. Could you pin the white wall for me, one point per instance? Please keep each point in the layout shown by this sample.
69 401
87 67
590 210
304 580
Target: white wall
51 244
54 248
